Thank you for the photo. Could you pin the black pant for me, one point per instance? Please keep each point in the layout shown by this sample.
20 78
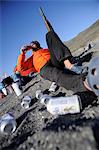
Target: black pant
58 51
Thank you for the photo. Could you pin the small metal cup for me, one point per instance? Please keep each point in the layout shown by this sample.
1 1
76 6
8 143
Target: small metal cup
26 101
7 124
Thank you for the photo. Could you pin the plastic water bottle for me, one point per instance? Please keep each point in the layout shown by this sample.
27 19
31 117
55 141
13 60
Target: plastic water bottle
4 90
63 105
17 90
7 124
26 101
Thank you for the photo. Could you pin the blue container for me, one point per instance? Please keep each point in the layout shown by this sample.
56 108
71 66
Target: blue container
1 85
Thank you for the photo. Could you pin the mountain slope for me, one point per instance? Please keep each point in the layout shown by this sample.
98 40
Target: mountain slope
90 34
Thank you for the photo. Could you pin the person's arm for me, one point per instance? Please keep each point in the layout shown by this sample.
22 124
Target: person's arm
21 57
20 61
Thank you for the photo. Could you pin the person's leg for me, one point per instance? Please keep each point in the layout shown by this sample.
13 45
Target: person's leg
57 49
60 54
20 62
68 81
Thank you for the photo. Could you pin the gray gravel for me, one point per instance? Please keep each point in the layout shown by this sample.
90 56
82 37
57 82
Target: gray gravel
39 130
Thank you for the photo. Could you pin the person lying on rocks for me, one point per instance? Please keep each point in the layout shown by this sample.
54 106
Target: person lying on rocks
57 65
40 57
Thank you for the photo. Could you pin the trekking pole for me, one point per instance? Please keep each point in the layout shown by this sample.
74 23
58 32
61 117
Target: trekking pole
44 19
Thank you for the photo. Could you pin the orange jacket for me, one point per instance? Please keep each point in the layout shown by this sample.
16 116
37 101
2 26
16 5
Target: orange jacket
32 64
40 58
24 67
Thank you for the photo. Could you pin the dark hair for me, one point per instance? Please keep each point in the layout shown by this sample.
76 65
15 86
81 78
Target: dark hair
37 43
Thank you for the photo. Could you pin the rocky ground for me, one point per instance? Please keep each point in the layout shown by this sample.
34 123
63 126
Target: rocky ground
39 130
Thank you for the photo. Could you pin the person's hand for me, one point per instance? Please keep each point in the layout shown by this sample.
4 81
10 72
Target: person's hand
23 49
